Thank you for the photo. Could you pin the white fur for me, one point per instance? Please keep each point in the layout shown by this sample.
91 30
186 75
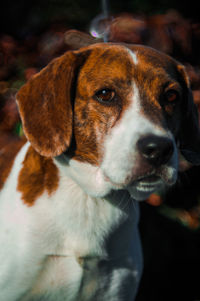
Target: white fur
43 244
133 56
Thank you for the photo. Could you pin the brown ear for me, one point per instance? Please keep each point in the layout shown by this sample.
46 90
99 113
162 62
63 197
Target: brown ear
45 105
189 136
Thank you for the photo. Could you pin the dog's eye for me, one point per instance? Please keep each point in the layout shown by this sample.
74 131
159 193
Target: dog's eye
105 95
171 96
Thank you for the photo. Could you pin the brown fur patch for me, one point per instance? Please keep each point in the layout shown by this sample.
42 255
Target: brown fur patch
7 156
37 175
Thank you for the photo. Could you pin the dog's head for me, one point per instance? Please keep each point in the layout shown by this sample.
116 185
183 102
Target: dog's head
121 113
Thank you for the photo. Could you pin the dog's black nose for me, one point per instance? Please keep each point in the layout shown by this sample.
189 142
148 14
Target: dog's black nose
156 150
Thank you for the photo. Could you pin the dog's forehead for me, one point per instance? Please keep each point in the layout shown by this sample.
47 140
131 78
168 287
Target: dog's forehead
151 57
126 62
107 62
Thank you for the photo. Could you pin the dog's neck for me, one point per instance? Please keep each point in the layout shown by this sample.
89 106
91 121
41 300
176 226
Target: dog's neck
88 177
111 218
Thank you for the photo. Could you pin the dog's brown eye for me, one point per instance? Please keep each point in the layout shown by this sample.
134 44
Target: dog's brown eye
105 95
171 96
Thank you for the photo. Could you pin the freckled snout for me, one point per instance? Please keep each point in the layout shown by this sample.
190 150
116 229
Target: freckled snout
155 150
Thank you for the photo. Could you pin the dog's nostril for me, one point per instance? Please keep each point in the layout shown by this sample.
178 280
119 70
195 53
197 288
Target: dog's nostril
156 150
150 150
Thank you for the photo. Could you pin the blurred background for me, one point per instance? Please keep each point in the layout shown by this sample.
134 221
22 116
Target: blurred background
32 33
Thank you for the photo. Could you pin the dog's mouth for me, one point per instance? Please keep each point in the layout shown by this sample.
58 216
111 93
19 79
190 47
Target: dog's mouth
148 183
143 183
140 187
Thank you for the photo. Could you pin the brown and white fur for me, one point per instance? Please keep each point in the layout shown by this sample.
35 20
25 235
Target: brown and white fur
106 126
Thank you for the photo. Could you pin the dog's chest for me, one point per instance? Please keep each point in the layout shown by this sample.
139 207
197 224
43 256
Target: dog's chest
77 279
91 256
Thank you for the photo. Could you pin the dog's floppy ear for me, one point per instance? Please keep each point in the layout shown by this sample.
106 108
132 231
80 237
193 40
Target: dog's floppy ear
189 136
45 105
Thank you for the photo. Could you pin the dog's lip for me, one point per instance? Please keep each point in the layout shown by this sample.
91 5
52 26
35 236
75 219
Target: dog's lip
144 186
150 180
148 183
145 181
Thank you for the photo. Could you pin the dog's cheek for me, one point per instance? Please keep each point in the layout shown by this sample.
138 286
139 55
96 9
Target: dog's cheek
92 123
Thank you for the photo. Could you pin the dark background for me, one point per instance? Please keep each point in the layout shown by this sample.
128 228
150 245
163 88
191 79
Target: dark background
19 17
170 233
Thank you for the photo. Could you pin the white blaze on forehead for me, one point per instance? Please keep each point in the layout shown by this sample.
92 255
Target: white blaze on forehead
133 56
120 152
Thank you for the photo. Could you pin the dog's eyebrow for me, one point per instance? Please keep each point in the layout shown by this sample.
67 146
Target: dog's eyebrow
173 85
115 82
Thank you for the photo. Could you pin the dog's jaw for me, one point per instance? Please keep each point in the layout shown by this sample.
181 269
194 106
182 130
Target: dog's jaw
87 176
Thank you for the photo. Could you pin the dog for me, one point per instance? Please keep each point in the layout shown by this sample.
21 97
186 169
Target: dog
106 126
